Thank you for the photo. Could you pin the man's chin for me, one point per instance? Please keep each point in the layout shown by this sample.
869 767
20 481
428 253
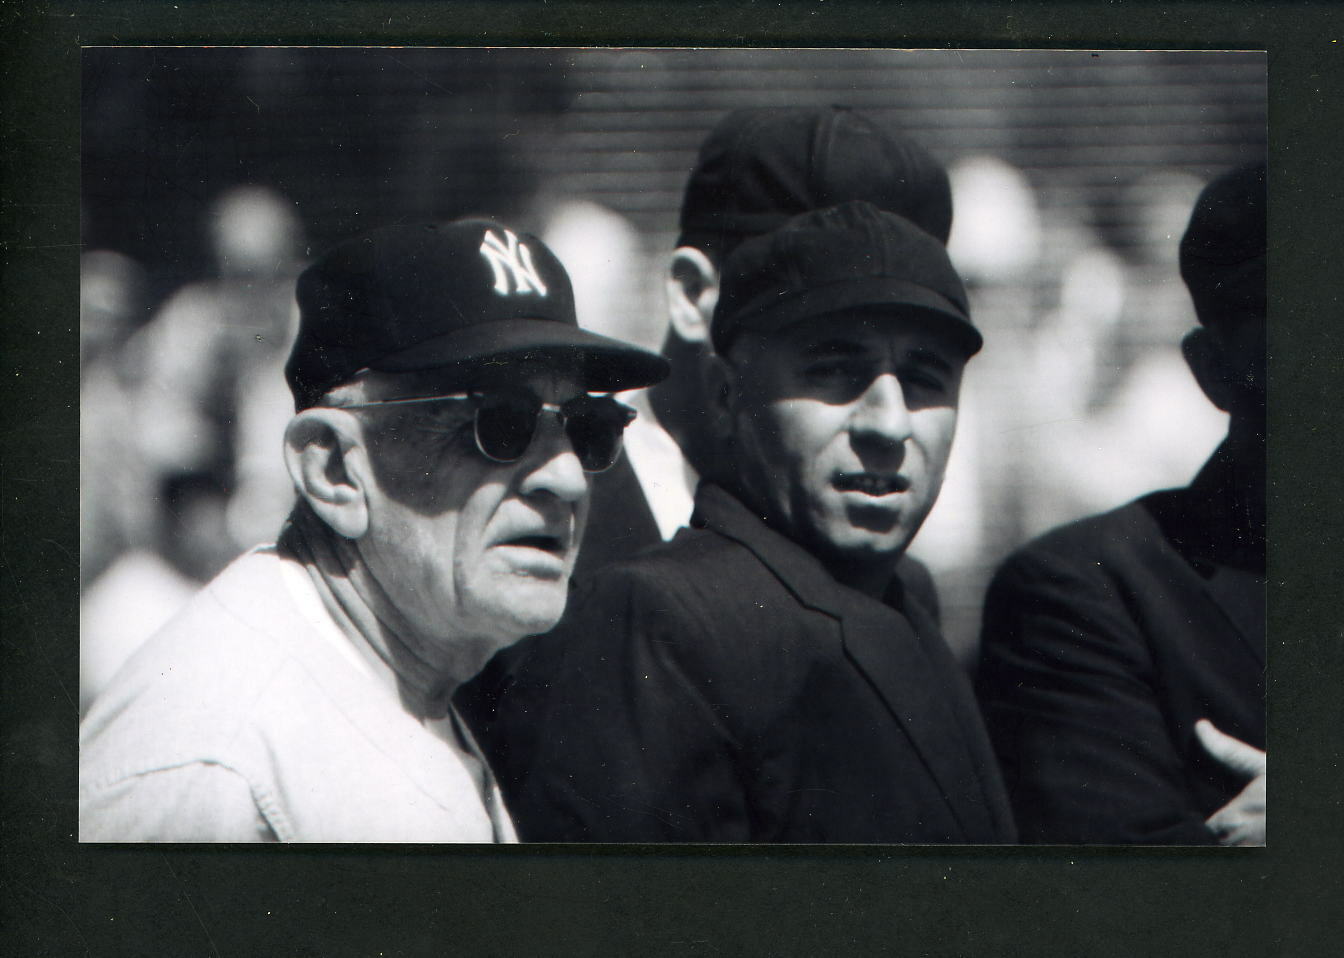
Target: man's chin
861 547
534 618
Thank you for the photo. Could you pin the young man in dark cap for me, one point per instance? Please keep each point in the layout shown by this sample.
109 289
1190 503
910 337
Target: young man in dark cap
445 432
760 678
756 169
1123 656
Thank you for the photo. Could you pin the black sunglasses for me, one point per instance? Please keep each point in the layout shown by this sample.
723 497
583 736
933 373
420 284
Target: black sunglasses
505 422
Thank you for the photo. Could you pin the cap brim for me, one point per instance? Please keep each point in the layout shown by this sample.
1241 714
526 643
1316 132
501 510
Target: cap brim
871 292
602 363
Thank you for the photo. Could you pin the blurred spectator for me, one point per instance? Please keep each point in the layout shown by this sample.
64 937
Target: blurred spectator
997 234
116 491
995 243
602 252
214 400
181 425
150 582
1082 400
111 304
1112 408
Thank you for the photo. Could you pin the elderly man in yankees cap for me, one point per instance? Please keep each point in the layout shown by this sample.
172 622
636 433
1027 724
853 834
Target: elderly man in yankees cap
450 414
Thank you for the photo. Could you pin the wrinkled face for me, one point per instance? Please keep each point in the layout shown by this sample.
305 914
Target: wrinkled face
470 549
842 426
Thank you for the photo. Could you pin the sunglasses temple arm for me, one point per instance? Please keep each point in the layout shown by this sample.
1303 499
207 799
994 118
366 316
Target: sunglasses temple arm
453 397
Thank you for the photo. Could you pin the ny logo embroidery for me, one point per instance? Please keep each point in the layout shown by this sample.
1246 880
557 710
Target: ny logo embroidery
512 263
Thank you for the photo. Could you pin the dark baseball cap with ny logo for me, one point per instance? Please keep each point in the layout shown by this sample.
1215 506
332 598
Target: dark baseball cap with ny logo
450 297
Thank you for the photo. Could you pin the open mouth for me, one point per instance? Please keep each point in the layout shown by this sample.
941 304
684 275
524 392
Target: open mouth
552 544
870 484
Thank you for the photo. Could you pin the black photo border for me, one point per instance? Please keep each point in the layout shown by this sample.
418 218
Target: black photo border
61 898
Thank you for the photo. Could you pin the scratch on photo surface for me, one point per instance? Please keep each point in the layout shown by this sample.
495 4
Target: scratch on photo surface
62 549
11 883
18 593
187 895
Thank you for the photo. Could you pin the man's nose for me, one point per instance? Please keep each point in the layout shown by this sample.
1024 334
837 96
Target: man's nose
881 415
553 466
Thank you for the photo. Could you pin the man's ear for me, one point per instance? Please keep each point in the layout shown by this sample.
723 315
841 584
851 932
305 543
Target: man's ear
1204 356
692 292
327 461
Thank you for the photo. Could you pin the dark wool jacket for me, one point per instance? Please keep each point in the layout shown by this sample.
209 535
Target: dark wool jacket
1104 642
724 687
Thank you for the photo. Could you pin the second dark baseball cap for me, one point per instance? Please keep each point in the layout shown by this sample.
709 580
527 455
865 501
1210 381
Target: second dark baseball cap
450 297
761 166
848 257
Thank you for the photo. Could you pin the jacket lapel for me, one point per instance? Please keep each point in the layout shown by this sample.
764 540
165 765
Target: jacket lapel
1240 597
1209 529
886 650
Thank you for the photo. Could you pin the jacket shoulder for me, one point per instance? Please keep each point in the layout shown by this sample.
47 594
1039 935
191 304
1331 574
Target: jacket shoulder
702 607
1123 541
701 574
1126 527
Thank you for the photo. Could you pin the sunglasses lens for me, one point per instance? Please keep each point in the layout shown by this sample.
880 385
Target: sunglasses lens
595 425
504 426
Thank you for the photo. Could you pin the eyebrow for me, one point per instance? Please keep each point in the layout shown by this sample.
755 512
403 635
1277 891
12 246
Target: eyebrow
845 347
929 358
834 347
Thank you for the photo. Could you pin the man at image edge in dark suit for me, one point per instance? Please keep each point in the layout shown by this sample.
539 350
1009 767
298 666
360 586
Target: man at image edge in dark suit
1123 656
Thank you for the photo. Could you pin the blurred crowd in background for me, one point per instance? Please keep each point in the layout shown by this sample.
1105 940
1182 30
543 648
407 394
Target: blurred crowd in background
211 177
